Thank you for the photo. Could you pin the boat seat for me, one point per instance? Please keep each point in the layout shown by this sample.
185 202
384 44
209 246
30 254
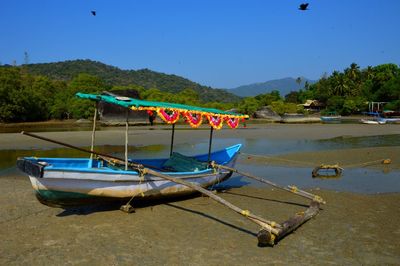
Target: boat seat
181 163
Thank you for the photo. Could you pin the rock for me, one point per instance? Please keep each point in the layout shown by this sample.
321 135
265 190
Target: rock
266 113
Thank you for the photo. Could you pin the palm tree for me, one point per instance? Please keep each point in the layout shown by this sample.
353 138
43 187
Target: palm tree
298 81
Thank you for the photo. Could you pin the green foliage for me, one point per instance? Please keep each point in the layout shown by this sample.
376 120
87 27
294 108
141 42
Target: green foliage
347 92
144 78
46 91
292 97
280 107
24 97
248 106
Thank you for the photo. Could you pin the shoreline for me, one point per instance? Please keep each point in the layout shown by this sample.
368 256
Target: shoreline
160 134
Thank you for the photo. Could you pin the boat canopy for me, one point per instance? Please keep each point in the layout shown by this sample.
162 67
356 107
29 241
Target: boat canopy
171 112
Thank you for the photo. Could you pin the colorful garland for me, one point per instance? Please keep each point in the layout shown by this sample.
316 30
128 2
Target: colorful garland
232 122
216 123
169 119
194 120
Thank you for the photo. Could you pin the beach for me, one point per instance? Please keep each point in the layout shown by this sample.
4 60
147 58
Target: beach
352 228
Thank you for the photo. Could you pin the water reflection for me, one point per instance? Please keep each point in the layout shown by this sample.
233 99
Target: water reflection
361 180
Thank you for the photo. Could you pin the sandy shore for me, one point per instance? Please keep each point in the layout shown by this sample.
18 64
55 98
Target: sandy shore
160 134
350 229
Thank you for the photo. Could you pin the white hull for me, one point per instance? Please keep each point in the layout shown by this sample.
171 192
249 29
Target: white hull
83 183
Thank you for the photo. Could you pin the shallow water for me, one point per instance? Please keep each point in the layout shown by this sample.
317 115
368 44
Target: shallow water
359 180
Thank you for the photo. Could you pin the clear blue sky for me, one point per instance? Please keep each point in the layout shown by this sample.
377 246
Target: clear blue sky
218 43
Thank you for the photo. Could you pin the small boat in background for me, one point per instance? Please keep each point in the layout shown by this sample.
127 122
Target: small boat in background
331 117
375 119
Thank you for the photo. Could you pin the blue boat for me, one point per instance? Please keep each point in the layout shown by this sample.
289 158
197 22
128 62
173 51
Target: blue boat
71 181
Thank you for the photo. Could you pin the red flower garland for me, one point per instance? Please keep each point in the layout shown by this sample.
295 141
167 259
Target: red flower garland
169 119
232 122
194 120
216 123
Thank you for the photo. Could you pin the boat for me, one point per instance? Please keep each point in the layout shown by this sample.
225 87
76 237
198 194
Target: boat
71 181
60 182
74 181
331 117
375 119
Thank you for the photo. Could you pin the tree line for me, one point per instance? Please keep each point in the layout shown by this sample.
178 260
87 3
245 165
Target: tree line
31 97
345 93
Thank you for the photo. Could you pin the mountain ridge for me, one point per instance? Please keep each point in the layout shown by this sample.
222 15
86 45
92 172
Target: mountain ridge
111 75
283 85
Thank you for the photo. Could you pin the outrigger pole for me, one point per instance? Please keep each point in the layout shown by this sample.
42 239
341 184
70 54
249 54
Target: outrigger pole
126 139
270 231
94 129
209 145
172 139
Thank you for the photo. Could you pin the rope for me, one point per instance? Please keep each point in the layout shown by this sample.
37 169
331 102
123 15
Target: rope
277 158
383 161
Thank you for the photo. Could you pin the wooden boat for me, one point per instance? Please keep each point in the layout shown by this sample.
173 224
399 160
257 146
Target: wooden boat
331 117
66 181
71 181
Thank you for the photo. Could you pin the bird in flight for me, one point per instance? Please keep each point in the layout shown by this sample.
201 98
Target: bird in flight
93 12
303 6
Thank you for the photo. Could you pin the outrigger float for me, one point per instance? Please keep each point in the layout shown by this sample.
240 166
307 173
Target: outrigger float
68 181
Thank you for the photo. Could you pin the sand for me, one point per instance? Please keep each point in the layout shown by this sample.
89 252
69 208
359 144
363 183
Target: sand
350 229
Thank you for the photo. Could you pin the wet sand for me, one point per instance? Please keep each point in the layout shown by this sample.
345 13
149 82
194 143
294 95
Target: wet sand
350 229
160 134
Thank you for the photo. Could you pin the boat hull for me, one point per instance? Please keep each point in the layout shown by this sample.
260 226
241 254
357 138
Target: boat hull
66 187
331 119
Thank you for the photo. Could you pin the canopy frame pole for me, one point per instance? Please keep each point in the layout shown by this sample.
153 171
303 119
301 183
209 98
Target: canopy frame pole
172 140
210 143
93 130
126 139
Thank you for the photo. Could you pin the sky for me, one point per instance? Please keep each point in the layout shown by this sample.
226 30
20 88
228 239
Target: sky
217 43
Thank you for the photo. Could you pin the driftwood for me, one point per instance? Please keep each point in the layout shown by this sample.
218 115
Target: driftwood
288 226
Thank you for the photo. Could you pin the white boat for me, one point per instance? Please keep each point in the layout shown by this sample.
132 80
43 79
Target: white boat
373 121
72 181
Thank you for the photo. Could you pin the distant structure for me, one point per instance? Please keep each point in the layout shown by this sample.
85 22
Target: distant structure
93 12
303 7
112 113
313 105
376 106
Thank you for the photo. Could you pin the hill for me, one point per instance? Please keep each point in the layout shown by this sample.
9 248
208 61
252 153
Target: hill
111 75
284 86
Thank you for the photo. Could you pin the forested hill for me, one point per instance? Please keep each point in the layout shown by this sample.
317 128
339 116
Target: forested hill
114 76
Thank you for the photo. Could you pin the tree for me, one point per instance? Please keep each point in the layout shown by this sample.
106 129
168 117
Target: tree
292 97
82 83
249 106
298 81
